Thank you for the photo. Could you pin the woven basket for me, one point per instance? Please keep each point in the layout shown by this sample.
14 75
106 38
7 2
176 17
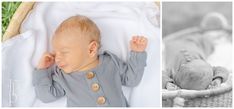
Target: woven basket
218 97
17 19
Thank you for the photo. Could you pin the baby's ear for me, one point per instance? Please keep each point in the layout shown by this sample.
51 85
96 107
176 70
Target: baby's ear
93 48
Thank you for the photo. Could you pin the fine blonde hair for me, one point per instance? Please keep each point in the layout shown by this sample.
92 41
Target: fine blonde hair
83 25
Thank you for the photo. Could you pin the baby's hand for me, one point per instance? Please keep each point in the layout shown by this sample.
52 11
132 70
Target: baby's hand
171 86
138 43
215 83
46 61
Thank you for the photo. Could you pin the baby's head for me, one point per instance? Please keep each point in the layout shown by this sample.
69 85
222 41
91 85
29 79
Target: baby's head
75 43
194 75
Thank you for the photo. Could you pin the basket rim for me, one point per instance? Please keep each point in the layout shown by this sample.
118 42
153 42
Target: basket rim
194 29
202 28
196 93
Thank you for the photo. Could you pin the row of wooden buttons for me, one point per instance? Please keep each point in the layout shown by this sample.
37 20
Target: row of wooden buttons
95 88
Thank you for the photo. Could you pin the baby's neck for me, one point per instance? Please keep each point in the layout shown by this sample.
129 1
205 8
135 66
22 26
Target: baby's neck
90 65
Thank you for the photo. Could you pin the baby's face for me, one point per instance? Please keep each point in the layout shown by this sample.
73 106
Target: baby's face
194 75
71 51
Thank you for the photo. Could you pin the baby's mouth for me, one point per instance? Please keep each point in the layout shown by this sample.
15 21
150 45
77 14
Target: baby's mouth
61 65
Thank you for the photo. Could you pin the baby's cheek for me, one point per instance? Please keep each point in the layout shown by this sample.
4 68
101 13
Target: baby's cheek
68 59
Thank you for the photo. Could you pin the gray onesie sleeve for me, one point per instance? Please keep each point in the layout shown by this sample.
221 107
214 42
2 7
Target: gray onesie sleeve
131 72
166 77
220 72
46 87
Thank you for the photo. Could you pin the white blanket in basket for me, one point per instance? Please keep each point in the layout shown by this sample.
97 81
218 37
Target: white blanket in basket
222 55
118 22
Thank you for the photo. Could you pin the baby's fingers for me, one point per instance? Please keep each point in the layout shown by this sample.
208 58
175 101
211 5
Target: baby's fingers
134 38
143 40
48 59
212 85
49 55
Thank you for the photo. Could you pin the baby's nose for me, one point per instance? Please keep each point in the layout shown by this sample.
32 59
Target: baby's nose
57 59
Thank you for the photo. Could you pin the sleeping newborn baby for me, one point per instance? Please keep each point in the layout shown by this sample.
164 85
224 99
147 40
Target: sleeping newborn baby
186 65
75 69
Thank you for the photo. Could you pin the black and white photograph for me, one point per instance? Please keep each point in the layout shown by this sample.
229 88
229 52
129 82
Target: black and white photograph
197 54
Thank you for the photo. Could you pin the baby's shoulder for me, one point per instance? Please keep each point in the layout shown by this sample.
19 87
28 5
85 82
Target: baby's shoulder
109 58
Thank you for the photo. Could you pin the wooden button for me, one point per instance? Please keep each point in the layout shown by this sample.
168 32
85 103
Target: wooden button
101 100
95 87
90 75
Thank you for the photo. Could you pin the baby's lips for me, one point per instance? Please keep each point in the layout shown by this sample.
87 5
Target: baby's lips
61 65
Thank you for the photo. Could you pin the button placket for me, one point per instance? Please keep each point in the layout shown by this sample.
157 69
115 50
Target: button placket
96 89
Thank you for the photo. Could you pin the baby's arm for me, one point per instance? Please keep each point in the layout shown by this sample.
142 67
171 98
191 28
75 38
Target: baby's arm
206 45
131 72
45 82
168 82
220 76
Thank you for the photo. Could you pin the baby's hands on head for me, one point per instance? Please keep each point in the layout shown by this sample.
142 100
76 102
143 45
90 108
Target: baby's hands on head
138 43
215 83
172 86
46 61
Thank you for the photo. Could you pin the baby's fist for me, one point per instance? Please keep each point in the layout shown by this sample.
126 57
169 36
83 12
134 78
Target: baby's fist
215 83
138 43
171 86
46 61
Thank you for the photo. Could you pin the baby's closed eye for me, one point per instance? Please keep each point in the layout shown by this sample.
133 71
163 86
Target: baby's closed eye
65 52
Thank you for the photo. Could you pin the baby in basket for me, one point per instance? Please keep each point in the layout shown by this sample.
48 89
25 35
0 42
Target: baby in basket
75 69
186 65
